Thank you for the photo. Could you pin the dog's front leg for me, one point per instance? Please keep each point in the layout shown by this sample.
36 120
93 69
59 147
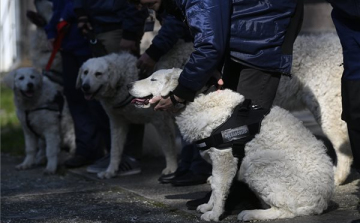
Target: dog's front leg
166 130
52 141
223 173
119 130
30 150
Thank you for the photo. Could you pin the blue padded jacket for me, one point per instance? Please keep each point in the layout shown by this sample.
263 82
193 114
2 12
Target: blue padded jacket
251 31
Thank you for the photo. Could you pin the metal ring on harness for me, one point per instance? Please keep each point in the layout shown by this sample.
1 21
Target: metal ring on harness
93 41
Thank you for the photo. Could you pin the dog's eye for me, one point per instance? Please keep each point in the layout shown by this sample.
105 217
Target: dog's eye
98 74
21 78
153 79
32 76
86 72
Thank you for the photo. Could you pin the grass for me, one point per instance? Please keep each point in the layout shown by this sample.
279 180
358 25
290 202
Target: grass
12 139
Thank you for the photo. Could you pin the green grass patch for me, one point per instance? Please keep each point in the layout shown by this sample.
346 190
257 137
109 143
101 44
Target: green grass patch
12 139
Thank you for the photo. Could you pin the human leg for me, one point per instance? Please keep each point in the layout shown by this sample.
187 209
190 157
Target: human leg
88 137
349 34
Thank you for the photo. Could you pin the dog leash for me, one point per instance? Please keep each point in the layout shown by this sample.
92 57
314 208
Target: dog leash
62 28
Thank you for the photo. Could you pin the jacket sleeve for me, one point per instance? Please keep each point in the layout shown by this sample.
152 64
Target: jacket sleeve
79 8
68 13
209 22
50 28
172 29
133 23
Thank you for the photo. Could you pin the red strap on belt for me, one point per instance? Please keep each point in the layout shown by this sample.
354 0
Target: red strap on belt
61 28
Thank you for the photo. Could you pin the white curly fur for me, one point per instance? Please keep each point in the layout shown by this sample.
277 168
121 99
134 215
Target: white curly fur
285 165
316 85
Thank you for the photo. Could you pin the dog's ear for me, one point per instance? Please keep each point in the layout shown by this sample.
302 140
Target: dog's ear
9 79
114 74
78 79
171 81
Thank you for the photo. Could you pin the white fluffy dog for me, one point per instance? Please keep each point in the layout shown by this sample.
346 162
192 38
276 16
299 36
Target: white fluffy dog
285 165
316 85
106 79
44 117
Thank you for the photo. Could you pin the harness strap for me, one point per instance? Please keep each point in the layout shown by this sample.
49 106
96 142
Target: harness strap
240 128
124 102
56 105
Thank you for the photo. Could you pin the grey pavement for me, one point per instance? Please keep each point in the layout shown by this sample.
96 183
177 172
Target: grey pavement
77 196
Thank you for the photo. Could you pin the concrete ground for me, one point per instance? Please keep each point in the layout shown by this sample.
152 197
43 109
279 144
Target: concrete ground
77 196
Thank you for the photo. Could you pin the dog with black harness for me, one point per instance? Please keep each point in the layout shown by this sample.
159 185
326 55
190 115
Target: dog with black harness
43 113
282 162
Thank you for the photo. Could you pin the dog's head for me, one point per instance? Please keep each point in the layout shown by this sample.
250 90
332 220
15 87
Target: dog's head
160 83
25 82
105 76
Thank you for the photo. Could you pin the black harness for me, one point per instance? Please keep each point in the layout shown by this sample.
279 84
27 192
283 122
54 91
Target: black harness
240 128
56 105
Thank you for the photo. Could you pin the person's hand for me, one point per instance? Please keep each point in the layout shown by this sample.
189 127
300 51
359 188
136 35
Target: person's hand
84 25
129 45
165 104
146 64
220 84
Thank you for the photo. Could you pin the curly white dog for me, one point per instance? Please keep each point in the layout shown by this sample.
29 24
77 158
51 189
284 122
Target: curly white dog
285 165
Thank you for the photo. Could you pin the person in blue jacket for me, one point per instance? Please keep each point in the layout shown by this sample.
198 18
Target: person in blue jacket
90 120
346 18
193 169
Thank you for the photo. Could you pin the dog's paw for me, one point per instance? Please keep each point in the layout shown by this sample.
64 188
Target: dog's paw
204 208
106 175
24 166
246 216
49 171
168 170
210 216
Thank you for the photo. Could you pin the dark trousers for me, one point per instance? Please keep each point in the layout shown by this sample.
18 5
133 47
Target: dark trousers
259 86
192 160
91 123
349 33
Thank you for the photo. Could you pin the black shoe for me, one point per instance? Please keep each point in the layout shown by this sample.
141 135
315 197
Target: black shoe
165 179
193 204
190 179
77 161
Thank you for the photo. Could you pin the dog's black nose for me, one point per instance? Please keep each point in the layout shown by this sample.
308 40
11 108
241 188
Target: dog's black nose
129 86
85 87
30 85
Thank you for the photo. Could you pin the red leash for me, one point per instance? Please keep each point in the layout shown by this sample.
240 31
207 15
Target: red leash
61 28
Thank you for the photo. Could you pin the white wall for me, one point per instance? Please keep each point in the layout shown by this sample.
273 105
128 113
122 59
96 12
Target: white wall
8 34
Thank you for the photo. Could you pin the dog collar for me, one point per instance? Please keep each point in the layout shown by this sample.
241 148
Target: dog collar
124 102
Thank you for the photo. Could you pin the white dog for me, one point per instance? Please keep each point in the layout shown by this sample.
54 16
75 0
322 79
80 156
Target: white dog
106 79
285 165
44 116
316 85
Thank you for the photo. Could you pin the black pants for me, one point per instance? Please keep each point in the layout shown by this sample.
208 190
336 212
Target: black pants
91 123
254 84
